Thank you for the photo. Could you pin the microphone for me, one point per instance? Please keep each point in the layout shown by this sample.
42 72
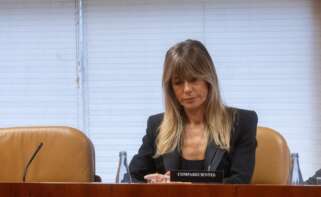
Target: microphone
30 161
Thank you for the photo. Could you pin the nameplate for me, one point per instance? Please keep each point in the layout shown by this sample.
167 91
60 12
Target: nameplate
197 176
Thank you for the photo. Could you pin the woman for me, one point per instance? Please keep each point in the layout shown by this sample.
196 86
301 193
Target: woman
196 131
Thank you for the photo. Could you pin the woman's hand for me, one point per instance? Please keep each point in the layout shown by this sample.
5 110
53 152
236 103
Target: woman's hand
158 178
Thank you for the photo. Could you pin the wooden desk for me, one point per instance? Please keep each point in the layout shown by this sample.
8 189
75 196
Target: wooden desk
154 190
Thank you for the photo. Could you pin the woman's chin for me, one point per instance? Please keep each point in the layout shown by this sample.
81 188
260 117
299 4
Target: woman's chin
191 107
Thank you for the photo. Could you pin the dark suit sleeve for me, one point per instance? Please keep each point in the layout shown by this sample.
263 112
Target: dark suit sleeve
143 163
243 149
313 180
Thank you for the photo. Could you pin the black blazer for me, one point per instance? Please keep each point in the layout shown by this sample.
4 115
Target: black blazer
237 164
313 180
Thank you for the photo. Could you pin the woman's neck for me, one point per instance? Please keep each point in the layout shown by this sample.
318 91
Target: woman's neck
195 117
194 136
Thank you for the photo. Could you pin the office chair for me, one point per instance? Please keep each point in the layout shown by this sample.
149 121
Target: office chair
273 160
66 155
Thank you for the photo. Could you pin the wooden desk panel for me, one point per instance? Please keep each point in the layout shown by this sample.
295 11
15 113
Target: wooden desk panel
54 189
277 191
181 190
154 190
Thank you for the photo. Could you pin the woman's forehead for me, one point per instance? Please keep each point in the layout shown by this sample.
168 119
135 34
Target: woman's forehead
184 76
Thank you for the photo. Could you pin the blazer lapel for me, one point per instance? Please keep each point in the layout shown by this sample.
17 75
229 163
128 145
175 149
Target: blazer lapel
171 160
214 154
213 157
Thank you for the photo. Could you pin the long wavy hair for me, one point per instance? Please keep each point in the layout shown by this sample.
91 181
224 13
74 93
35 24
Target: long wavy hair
186 60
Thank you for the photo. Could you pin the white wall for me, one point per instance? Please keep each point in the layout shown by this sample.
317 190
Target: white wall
267 55
263 51
37 67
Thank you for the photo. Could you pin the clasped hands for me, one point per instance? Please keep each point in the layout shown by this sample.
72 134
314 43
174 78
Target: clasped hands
158 178
161 178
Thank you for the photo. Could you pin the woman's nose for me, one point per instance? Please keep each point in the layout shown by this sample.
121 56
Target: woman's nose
187 86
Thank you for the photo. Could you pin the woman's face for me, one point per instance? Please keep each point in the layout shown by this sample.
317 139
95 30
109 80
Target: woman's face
191 94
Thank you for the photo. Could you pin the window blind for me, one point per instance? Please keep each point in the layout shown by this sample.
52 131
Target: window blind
263 52
267 55
37 75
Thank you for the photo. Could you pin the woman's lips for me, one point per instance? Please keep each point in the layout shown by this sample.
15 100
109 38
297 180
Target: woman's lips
188 99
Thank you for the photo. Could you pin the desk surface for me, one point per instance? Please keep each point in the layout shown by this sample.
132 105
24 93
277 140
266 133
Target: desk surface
154 190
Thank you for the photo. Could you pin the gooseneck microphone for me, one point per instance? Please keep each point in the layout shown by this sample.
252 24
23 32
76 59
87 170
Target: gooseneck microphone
30 161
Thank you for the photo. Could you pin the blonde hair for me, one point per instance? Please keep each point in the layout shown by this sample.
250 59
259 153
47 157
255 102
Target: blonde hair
186 60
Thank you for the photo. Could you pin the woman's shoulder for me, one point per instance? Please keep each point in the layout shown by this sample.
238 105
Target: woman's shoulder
244 127
243 115
154 122
156 118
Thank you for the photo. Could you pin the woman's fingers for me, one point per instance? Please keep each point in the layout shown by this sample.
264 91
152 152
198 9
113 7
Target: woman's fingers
157 178
152 176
